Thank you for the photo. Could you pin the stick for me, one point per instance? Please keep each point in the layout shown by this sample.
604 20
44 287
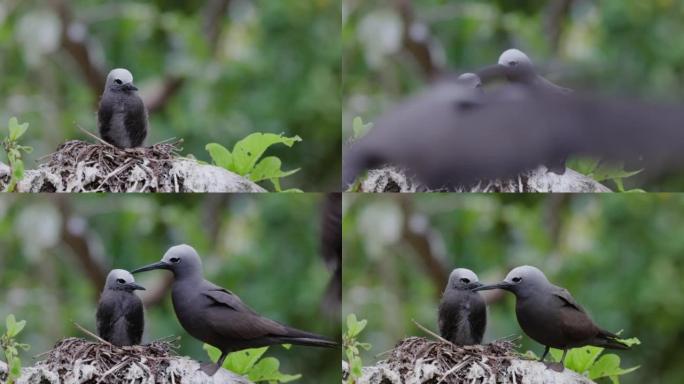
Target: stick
87 332
438 337
95 136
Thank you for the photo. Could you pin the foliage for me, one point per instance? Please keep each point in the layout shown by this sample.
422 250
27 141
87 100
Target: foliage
604 172
13 150
360 129
351 345
10 347
249 363
591 362
245 159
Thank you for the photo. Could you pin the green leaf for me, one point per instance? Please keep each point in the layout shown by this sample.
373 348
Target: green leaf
359 128
15 367
247 151
269 168
268 370
10 324
16 130
241 362
608 366
354 327
18 170
581 359
220 156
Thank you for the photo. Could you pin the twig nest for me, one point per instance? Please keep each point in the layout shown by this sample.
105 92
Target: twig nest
75 360
78 166
417 360
391 179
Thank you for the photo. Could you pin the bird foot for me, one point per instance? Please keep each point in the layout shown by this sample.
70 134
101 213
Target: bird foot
209 368
558 367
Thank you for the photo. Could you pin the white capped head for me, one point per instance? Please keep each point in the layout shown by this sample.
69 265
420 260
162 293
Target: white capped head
526 275
514 57
120 279
181 259
463 278
119 76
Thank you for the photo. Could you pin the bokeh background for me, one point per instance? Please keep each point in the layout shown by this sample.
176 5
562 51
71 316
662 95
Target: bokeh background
209 71
392 48
621 256
56 251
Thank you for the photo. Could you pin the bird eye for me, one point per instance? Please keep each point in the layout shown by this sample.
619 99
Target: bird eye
175 260
121 281
465 281
512 63
118 81
517 279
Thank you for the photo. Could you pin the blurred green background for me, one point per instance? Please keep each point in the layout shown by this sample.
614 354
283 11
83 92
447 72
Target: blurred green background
392 48
56 251
621 257
209 71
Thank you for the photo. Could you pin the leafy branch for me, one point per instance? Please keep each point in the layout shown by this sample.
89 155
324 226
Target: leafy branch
352 346
245 158
13 150
10 347
249 363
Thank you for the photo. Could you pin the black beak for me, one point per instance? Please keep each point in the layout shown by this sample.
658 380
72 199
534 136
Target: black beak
492 72
475 285
129 87
501 285
134 286
157 265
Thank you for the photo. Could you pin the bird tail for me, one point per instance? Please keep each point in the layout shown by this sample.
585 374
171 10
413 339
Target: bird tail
608 340
295 336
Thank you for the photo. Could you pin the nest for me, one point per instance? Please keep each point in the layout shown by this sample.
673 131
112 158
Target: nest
392 179
111 169
453 362
417 360
78 166
95 362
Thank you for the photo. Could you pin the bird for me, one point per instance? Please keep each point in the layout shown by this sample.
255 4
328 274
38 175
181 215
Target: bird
462 312
550 315
442 144
122 116
217 316
517 68
120 317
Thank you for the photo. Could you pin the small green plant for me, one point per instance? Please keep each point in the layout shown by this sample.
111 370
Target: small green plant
352 346
10 347
249 363
13 150
591 362
604 172
245 159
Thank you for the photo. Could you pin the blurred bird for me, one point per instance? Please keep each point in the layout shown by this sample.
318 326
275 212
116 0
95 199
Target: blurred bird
122 116
120 318
217 316
462 312
442 144
550 315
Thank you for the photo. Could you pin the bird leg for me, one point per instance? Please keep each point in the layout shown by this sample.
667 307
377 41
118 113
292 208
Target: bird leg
558 367
546 352
211 369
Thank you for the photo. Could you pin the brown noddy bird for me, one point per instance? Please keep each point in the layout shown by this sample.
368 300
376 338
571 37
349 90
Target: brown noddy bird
462 312
120 318
550 315
122 116
442 145
217 316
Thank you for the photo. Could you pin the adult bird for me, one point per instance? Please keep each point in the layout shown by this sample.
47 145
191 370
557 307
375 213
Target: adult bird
462 312
217 316
550 315
122 116
120 318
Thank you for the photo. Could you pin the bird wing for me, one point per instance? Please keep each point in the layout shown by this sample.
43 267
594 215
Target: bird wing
104 114
232 318
104 318
575 323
